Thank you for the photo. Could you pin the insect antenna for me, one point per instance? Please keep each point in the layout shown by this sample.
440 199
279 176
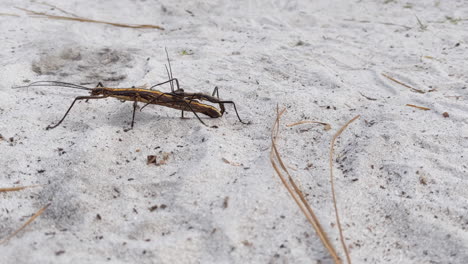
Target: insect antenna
169 62
169 76
53 84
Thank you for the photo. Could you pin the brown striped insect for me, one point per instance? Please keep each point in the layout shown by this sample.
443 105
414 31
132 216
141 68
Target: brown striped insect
177 98
136 95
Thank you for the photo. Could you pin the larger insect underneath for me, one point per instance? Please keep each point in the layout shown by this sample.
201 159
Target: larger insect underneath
176 98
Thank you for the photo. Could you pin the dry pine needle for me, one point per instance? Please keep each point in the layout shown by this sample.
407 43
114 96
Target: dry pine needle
418 107
326 125
403 84
19 188
30 220
81 19
294 191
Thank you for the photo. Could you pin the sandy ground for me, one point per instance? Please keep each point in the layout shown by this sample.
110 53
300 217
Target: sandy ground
401 172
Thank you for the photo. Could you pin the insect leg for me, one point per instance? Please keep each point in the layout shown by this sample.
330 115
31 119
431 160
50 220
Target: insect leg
215 91
190 107
221 106
134 110
168 81
189 103
235 108
74 101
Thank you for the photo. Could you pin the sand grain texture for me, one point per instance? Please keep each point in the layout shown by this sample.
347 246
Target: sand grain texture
400 172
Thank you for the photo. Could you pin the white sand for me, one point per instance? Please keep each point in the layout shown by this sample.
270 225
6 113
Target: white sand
401 172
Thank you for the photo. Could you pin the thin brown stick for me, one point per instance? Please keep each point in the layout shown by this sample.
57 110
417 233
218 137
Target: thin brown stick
348 259
81 19
404 84
326 125
7 14
19 188
301 201
454 96
419 107
231 163
367 97
37 214
377 22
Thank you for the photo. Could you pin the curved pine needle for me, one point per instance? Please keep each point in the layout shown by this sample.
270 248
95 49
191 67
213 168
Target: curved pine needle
30 220
296 194
348 259
81 19
19 188
403 84
326 125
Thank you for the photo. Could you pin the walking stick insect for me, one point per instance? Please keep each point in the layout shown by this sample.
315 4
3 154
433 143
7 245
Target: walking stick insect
177 99
133 94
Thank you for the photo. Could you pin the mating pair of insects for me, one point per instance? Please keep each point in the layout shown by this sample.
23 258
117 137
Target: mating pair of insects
176 98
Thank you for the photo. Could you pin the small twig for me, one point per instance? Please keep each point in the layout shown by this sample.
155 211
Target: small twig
333 186
405 85
7 14
59 9
454 96
231 163
80 19
14 189
419 107
37 214
421 25
326 125
368 98
377 22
